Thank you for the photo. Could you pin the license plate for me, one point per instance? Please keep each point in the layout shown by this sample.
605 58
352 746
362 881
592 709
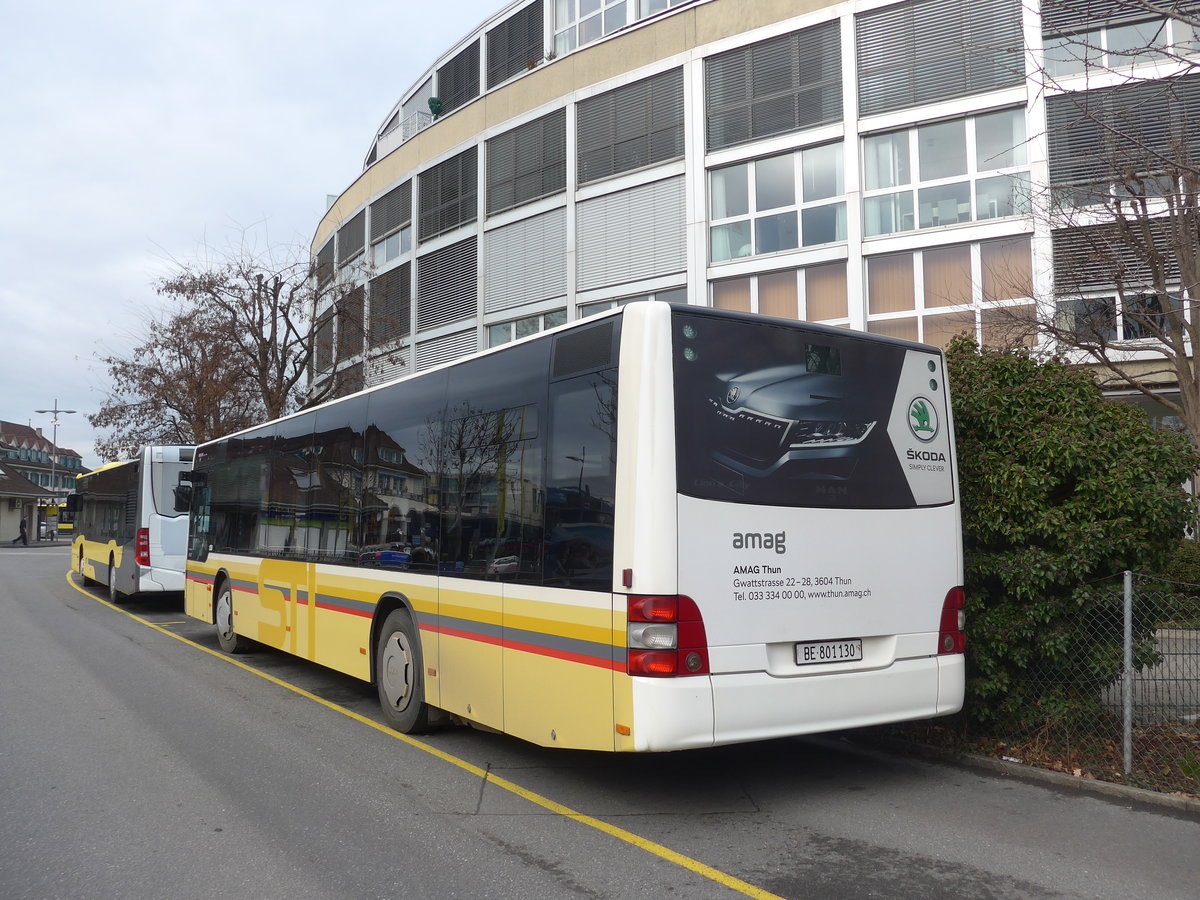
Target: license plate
814 652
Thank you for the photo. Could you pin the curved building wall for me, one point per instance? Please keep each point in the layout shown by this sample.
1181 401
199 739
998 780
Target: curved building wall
865 164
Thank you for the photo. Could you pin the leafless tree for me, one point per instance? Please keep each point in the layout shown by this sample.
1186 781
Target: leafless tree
1123 129
234 346
175 387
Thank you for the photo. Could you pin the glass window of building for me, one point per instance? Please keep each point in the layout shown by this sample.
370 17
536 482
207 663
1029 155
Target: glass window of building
813 294
777 204
952 183
982 289
579 22
504 332
391 225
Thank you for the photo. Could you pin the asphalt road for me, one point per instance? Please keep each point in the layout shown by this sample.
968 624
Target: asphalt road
135 764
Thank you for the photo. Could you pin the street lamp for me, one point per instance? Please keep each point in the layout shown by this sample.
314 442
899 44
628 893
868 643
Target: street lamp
581 460
54 445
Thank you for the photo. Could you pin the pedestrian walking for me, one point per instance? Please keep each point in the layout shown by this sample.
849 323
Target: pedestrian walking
23 537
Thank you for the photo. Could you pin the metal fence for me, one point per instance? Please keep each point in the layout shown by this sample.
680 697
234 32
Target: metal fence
1128 695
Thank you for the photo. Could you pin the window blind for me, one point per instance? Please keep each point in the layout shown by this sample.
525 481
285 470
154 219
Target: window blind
784 84
633 126
931 50
527 163
515 44
447 285
447 195
391 294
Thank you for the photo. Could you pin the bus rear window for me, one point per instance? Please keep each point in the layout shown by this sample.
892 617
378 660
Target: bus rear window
784 415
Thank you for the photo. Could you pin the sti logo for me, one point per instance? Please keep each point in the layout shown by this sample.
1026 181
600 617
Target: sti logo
922 419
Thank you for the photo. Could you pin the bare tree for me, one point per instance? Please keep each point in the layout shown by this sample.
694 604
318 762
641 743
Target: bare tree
263 309
175 387
234 348
1121 202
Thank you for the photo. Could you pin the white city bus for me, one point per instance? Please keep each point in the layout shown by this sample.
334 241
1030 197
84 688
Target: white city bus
128 534
660 528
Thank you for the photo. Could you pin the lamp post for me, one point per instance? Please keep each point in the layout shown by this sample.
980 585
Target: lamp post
54 445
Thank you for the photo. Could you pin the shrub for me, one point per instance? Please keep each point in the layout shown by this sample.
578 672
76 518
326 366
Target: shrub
1061 492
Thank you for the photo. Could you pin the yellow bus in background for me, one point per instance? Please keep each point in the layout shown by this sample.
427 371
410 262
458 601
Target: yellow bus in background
127 533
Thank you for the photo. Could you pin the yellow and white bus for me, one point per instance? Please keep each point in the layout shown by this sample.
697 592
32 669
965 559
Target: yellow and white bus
128 535
659 528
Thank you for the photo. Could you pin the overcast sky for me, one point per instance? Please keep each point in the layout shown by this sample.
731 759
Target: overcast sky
136 132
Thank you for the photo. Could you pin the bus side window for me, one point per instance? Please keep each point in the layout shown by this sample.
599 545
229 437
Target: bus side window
581 482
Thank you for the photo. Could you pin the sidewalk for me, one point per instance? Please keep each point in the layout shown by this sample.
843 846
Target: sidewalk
7 544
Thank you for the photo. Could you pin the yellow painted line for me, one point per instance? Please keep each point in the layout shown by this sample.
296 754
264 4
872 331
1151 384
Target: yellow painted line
654 849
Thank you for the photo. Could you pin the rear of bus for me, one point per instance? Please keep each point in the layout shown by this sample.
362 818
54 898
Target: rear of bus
794 547
161 539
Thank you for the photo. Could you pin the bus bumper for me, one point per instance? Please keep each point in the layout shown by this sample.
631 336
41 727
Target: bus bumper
154 579
679 713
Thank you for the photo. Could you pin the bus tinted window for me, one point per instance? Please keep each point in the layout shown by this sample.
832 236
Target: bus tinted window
491 448
335 502
581 481
399 508
785 416
109 508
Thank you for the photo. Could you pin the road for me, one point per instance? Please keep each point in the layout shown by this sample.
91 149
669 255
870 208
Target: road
136 760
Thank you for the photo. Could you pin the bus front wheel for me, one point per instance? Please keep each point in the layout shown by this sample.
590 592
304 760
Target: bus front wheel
400 676
230 640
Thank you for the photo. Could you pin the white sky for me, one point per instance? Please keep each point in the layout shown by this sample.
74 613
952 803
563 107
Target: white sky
136 132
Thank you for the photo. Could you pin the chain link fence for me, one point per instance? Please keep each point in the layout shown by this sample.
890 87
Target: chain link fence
1118 701
1123 702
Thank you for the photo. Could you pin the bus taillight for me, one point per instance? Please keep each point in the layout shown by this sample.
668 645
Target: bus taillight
142 547
952 638
665 637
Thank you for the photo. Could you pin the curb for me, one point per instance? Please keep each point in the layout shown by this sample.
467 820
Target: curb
1187 805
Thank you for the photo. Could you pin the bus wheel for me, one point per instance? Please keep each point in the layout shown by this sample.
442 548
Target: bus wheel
400 676
83 571
230 640
114 596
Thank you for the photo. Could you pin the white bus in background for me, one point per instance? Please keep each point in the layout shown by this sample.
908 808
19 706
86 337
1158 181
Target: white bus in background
128 535
659 528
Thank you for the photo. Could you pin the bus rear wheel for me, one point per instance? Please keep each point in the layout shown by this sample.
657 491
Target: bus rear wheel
227 637
87 579
400 675
114 596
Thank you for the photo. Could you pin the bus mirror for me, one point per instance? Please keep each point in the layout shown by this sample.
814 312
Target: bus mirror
183 498
72 503
193 477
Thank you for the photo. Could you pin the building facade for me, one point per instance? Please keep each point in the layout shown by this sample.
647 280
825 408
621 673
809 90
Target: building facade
29 453
881 166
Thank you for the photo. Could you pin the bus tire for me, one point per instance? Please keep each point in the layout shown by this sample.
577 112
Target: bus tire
227 637
87 580
400 674
114 596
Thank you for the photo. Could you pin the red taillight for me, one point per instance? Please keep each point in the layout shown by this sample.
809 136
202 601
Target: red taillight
143 547
653 609
665 637
951 637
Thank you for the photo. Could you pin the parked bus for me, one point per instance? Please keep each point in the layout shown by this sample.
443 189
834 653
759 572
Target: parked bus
659 528
127 533
66 522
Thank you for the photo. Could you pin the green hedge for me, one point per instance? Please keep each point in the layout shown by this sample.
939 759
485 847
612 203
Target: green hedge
1061 491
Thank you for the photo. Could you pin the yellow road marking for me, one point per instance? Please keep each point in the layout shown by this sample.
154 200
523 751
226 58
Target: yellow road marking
655 849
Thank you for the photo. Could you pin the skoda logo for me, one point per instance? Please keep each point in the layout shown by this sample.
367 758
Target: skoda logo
922 419
732 394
